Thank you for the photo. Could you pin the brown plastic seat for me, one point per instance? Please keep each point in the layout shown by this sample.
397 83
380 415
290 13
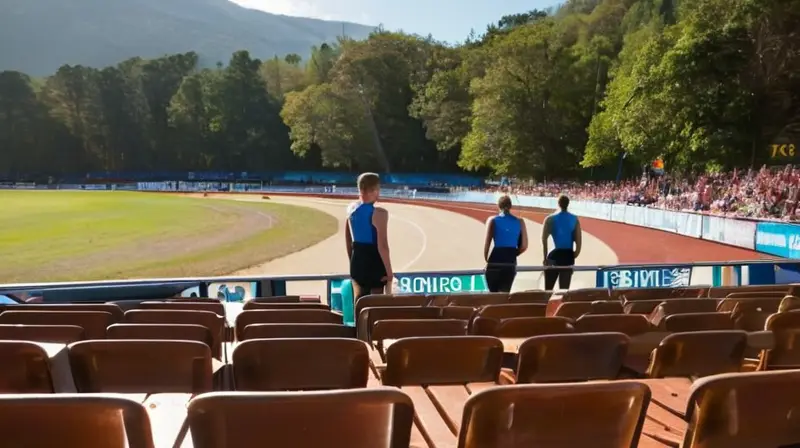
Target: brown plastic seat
246 318
597 415
284 331
210 305
443 360
379 417
641 306
785 353
61 334
681 306
629 324
26 369
253 305
507 311
300 364
407 328
636 294
114 310
752 314
585 295
178 332
213 321
606 307
758 295
465 313
277 299
535 296
561 358
94 323
573 310
698 322
73 421
376 300
789 320
698 354
141 366
744 410
720 292
522 327
480 299
789 303
370 315
727 304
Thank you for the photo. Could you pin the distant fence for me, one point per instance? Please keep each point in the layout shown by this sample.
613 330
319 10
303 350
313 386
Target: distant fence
773 238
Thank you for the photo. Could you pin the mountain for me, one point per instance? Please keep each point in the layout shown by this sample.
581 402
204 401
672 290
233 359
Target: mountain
38 36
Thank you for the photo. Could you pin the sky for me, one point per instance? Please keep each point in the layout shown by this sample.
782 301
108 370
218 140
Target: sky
447 20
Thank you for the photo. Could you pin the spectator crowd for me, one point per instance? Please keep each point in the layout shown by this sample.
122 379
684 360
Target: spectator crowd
756 194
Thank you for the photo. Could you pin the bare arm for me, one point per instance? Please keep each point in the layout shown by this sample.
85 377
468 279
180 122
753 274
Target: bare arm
578 236
546 234
348 239
523 245
380 219
487 242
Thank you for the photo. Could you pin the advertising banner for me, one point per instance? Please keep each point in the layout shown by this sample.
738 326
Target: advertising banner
415 284
778 239
667 276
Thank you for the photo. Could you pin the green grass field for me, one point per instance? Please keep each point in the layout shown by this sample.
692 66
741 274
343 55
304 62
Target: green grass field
70 236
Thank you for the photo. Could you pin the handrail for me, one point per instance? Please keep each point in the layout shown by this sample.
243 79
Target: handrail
327 277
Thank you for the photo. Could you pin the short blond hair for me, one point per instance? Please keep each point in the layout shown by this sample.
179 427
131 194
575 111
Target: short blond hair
368 181
504 203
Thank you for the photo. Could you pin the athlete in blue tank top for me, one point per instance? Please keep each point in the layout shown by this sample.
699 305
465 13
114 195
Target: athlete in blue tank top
565 229
367 240
508 235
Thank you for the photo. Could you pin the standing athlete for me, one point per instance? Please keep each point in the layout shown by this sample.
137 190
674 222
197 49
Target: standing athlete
367 240
510 239
565 229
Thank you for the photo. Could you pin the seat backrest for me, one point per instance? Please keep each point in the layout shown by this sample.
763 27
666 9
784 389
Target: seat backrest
113 309
370 315
94 323
407 328
698 322
178 332
727 304
789 303
720 292
789 320
458 312
585 295
213 321
606 307
478 299
300 364
535 296
74 420
26 368
573 415
61 334
698 354
210 305
752 314
629 324
785 353
246 318
524 327
743 410
636 294
680 306
757 295
141 366
276 299
375 300
506 311
284 331
641 306
443 360
573 310
253 305
379 417
571 357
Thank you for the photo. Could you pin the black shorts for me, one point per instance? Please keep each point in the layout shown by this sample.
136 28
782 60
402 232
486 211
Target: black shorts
501 269
366 266
559 257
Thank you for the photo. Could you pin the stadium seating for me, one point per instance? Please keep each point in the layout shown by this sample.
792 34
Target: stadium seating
416 371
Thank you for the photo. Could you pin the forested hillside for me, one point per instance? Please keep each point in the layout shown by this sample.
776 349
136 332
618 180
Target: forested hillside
38 36
706 84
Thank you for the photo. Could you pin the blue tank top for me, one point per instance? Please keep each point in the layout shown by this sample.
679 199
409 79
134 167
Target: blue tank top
563 229
359 215
507 230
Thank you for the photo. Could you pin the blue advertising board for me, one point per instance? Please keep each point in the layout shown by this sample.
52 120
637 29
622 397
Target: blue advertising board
778 239
669 276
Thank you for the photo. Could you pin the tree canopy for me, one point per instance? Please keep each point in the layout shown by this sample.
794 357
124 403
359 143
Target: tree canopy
706 84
